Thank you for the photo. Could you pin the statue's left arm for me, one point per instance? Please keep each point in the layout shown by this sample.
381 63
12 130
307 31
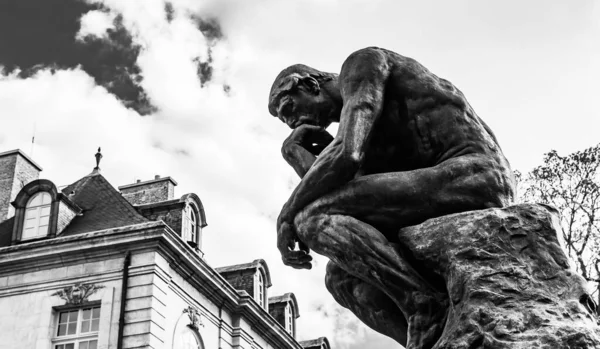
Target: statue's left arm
362 82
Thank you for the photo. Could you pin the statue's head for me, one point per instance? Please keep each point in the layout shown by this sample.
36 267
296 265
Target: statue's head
304 95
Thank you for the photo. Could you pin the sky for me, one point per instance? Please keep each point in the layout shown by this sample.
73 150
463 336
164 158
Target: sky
180 89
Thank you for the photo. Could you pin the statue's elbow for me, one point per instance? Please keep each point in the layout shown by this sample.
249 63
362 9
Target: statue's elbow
350 161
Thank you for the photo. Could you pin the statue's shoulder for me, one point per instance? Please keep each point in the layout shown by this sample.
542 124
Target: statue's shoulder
363 53
375 55
364 60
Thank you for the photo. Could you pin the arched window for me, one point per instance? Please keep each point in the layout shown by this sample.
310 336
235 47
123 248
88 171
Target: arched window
289 319
189 340
190 224
186 338
260 295
37 216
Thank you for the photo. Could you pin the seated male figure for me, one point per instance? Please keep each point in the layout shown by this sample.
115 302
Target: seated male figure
409 148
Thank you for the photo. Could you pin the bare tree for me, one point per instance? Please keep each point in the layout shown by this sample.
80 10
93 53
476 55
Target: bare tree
571 184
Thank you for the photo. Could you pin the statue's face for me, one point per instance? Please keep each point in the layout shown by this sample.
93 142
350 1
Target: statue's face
300 106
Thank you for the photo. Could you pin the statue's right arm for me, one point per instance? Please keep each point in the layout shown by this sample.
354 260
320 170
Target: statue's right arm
362 82
301 148
298 158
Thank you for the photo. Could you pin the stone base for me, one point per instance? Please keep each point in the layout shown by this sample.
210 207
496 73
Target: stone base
509 282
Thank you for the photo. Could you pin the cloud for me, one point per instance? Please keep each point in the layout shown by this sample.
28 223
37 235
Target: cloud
211 30
169 11
40 34
64 34
96 23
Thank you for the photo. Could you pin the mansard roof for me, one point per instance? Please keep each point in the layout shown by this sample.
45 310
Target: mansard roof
102 205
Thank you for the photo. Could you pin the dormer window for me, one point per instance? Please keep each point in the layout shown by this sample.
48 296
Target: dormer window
190 226
260 295
37 216
289 319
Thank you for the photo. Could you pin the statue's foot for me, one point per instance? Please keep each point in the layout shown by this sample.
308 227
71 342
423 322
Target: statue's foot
425 326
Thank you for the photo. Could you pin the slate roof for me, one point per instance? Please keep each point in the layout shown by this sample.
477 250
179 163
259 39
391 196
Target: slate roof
102 205
6 228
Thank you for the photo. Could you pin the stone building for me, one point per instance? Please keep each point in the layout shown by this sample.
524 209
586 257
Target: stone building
88 266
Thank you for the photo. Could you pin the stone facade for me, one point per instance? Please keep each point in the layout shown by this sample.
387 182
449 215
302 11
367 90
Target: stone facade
242 280
158 289
170 212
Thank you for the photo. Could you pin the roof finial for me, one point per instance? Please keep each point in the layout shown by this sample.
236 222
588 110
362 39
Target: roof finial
98 158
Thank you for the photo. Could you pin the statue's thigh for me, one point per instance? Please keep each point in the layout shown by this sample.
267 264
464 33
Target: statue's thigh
396 199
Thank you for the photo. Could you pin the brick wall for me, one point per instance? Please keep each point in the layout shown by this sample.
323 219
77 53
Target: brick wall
149 192
173 217
15 172
277 311
242 280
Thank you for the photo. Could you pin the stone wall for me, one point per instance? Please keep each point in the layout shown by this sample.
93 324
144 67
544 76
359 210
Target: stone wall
242 280
172 215
29 316
277 311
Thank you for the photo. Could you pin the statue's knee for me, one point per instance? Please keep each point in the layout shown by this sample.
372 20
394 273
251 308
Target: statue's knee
333 274
308 224
337 283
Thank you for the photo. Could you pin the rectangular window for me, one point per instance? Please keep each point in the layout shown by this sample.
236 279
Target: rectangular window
77 329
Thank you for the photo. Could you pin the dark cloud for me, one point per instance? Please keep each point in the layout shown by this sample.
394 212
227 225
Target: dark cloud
41 34
169 11
204 69
211 29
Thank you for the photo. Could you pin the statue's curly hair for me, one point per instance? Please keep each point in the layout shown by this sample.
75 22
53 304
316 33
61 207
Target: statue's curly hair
288 80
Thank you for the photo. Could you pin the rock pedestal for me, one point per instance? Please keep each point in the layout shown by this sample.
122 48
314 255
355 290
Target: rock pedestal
509 282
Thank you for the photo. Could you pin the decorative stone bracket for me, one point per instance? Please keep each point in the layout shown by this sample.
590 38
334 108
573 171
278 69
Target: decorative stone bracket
78 293
195 317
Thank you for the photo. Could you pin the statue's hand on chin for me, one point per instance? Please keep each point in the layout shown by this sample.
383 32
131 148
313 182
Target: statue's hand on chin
310 137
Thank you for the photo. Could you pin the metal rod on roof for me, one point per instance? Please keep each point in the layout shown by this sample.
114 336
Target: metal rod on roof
32 139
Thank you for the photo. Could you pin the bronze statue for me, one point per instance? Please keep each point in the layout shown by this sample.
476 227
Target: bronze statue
409 148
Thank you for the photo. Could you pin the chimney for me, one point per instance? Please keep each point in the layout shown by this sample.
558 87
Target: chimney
16 170
149 192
